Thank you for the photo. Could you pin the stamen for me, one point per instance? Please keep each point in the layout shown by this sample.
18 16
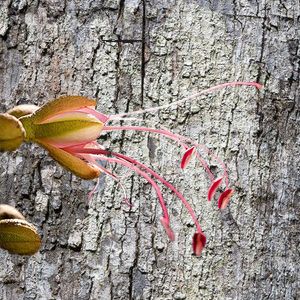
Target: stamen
134 162
187 156
214 187
224 198
199 241
167 228
94 189
259 86
171 136
129 164
176 138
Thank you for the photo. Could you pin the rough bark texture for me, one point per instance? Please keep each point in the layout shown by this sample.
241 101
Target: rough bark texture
104 249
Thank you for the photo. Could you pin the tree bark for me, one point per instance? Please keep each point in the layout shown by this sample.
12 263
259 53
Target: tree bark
130 55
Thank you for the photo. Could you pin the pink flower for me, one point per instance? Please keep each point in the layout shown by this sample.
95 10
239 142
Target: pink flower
64 122
68 128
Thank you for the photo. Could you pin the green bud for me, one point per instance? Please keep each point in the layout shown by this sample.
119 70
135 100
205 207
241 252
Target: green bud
22 110
19 237
12 132
9 212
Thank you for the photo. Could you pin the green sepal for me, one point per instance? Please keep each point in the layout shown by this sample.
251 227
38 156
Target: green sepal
61 105
71 163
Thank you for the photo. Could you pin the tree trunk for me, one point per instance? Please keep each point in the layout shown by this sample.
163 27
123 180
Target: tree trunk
132 55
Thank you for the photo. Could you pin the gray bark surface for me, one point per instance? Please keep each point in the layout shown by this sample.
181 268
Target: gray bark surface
104 249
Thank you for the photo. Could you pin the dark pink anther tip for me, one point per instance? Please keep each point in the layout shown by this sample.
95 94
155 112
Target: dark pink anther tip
212 190
187 156
167 228
224 198
199 241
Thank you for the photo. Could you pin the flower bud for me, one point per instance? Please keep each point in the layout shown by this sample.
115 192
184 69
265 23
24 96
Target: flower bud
64 122
12 132
22 110
9 212
19 237
60 123
16 234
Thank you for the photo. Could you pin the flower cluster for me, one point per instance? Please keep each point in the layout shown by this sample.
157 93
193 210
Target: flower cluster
69 126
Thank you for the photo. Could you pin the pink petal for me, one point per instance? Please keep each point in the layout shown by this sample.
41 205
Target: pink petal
215 185
167 228
224 198
187 156
102 118
199 241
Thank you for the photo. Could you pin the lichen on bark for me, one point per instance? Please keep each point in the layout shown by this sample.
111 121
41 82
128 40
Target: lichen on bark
103 249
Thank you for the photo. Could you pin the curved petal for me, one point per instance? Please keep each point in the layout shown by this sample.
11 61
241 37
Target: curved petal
61 105
64 129
72 163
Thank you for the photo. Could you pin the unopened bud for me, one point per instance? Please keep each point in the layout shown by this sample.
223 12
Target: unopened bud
19 237
22 110
12 132
9 212
16 234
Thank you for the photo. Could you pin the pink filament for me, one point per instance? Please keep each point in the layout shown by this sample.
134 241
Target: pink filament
129 163
124 192
94 189
188 98
177 137
174 137
145 175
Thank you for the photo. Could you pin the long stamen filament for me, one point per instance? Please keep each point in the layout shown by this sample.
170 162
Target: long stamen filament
177 137
92 159
174 137
134 162
187 99
170 186
94 189
129 165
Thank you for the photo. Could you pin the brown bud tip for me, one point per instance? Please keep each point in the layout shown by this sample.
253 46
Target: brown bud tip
19 237
12 132
9 212
22 110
